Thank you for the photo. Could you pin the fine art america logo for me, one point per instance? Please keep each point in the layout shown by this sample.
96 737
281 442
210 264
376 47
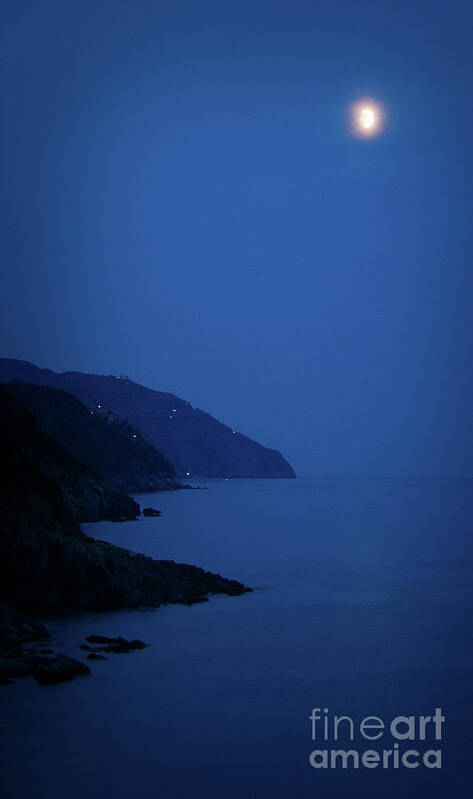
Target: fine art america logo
408 741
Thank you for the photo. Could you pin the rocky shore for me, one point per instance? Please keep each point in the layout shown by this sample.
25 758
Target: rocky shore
45 570
47 563
26 648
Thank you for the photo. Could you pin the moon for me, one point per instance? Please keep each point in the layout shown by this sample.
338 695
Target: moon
367 117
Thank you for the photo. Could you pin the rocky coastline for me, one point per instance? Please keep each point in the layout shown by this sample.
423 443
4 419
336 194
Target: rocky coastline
48 564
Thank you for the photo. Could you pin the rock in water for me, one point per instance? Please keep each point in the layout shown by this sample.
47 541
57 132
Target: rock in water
151 512
16 629
118 645
100 639
60 669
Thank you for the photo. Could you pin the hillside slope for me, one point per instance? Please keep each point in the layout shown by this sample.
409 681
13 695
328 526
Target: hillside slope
34 467
106 443
192 440
46 562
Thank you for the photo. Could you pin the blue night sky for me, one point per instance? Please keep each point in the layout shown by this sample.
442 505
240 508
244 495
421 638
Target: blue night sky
184 203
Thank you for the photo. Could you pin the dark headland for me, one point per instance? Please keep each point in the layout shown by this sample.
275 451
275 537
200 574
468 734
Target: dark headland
72 447
47 563
195 443
99 438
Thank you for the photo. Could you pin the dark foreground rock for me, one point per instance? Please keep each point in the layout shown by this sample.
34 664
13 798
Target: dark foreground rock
118 645
17 629
18 632
60 669
151 512
49 570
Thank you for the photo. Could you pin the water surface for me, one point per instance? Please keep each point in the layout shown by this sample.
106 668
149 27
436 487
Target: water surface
363 600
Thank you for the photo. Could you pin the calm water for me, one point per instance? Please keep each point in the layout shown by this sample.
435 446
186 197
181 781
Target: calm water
363 606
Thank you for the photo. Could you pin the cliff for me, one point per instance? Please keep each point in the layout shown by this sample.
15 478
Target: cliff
103 441
192 440
46 562
42 481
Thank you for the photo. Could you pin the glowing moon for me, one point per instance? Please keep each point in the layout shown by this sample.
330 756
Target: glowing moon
367 118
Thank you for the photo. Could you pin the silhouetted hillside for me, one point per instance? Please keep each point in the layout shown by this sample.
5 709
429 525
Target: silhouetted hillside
193 441
104 441
46 561
41 481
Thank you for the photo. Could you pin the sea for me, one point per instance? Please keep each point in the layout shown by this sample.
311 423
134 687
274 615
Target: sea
362 607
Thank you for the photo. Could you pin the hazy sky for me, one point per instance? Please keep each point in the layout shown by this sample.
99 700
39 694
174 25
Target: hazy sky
184 203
